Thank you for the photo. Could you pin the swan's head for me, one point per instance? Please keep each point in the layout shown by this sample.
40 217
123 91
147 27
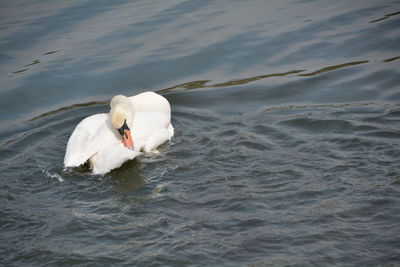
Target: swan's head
121 116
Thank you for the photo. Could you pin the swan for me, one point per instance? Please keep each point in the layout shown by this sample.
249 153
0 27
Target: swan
134 125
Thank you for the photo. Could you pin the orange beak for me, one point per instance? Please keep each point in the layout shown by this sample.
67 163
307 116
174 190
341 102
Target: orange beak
127 139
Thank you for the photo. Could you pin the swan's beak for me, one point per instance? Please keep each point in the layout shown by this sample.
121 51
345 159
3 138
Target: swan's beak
127 139
125 133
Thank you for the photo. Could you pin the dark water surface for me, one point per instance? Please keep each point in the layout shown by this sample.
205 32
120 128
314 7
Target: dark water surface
287 142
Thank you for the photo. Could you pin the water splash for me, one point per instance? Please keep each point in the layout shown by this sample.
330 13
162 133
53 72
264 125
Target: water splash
53 175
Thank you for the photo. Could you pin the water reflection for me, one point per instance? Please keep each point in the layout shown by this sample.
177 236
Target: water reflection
50 52
391 59
19 71
128 176
385 17
331 68
252 79
202 83
63 109
33 63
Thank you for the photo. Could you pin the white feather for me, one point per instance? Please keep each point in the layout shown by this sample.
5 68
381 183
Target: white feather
96 140
111 157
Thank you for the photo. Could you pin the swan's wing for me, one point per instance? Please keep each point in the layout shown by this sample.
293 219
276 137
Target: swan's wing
170 131
150 101
155 139
111 157
146 122
152 124
150 129
90 136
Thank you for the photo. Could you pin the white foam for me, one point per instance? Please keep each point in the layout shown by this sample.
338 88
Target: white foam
53 175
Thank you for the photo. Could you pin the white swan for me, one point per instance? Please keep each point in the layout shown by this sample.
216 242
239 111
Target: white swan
134 124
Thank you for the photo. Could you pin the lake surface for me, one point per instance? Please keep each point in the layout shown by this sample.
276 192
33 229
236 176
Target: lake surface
287 133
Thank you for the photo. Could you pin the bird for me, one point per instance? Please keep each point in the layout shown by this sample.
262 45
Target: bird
135 125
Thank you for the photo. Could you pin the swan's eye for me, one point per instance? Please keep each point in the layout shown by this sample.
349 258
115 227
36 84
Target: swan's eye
123 128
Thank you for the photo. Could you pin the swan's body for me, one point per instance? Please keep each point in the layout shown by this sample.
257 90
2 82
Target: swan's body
147 120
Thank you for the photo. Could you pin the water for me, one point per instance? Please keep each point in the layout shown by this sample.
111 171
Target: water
286 150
